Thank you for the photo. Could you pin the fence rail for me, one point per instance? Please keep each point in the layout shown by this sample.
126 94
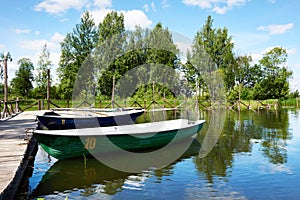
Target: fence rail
16 106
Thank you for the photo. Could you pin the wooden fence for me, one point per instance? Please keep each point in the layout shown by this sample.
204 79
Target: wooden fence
16 106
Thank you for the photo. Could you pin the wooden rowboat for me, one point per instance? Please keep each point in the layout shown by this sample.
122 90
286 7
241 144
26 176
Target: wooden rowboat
72 120
63 144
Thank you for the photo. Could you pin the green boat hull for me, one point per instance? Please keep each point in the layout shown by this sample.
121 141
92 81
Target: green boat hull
63 147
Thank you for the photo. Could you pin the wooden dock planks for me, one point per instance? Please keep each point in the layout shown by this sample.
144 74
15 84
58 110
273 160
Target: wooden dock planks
13 145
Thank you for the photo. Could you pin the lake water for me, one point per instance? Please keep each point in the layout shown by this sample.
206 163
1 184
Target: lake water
247 155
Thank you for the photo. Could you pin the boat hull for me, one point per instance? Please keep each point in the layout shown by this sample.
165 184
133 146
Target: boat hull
65 146
54 122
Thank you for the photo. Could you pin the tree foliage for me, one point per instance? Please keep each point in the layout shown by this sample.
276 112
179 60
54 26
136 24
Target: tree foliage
41 78
1 71
274 82
74 50
158 58
212 50
144 52
209 63
22 83
110 48
92 56
218 45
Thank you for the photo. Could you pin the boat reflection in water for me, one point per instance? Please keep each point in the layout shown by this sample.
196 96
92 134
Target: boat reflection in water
89 176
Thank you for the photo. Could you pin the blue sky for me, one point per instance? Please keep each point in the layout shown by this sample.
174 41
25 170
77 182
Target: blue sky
255 25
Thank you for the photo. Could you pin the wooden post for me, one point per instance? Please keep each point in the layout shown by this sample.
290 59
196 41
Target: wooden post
39 105
17 105
48 89
113 94
5 81
239 104
42 106
153 85
11 108
5 59
197 93
175 106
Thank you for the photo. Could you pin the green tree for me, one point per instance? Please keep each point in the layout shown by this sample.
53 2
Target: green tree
294 94
112 25
274 83
22 83
210 62
246 76
147 52
75 48
1 90
41 78
218 45
160 55
1 71
110 51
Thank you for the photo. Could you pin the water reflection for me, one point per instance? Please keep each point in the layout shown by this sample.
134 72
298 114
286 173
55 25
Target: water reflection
87 174
251 154
240 132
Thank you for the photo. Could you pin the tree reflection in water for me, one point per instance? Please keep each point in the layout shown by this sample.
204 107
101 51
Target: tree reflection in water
240 132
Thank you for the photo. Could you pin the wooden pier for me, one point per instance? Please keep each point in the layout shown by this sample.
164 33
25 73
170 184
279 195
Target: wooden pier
17 148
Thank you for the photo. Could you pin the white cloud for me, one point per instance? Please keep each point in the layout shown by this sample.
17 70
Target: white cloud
257 56
22 31
276 29
100 14
37 45
292 51
146 8
218 6
55 57
64 20
220 10
57 37
246 41
103 3
152 6
59 6
99 9
11 69
200 3
133 18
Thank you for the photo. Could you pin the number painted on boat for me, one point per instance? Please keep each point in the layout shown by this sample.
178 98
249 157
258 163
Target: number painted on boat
90 143
63 121
90 174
